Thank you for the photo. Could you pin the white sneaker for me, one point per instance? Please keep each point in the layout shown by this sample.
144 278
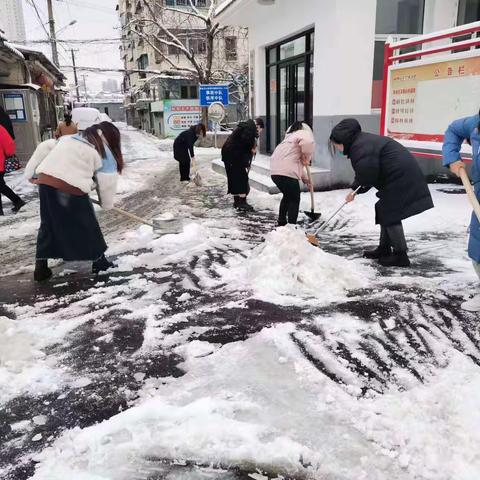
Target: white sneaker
472 305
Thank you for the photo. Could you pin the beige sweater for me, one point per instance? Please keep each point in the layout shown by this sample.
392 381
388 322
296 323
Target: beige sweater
290 157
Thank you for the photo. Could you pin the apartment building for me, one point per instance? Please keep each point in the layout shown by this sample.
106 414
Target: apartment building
12 21
159 74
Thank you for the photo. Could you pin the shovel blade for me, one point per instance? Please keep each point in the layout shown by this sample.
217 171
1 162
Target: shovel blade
312 239
312 215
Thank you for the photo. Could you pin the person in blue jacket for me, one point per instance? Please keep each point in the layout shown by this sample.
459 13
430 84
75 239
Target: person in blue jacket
460 130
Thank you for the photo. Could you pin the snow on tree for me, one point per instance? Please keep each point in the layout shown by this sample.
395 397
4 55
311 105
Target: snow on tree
187 40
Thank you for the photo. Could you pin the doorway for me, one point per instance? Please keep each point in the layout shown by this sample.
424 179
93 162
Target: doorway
289 86
292 95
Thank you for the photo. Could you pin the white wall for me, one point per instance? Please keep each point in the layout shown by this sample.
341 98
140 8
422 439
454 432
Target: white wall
344 41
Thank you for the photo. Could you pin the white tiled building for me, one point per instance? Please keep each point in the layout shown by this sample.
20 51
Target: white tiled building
11 20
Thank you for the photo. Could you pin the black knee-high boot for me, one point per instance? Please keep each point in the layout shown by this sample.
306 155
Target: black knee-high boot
42 272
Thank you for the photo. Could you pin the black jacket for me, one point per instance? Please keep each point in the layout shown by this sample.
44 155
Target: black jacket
183 145
237 163
385 164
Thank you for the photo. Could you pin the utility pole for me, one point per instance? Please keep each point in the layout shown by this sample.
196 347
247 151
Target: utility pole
53 37
75 74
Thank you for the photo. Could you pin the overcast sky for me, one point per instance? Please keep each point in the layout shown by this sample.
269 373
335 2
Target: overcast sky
95 19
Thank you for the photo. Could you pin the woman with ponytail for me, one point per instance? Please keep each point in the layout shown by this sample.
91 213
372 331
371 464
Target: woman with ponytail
67 127
67 171
466 129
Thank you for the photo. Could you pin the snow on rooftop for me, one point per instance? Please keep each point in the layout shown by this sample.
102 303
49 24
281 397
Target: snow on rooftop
14 49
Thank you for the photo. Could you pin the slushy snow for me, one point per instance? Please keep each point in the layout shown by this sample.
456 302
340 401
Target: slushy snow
287 268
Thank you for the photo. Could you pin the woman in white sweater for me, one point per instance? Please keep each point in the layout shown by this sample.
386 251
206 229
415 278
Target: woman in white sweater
66 171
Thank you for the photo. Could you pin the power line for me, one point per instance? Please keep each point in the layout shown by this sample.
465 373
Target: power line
39 17
76 41
91 6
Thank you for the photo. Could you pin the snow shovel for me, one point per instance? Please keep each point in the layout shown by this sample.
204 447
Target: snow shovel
311 214
197 179
127 214
312 238
470 192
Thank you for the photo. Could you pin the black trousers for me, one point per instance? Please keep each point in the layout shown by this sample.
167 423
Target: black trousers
290 201
184 170
7 191
393 236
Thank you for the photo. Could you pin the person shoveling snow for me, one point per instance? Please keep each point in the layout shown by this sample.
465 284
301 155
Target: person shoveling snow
287 269
286 166
385 164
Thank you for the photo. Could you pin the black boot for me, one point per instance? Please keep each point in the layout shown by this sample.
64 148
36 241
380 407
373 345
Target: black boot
396 259
17 206
380 251
236 201
244 206
101 265
42 272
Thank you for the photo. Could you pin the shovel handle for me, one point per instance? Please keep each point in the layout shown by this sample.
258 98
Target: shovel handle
323 225
312 198
470 192
126 214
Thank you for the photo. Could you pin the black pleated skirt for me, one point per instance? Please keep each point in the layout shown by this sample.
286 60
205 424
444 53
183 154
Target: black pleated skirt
69 228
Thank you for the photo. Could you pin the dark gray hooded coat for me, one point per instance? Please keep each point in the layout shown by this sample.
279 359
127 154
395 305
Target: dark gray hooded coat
385 164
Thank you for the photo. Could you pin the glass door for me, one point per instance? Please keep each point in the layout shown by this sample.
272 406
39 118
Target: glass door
289 83
292 95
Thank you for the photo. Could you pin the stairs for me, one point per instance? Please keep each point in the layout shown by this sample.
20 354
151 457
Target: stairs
260 175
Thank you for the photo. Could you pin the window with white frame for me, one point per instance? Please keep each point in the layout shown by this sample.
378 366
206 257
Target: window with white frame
142 63
231 49
194 41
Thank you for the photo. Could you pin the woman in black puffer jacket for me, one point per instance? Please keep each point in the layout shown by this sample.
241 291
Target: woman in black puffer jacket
237 155
385 164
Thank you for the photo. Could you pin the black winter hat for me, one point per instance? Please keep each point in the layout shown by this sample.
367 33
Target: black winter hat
345 133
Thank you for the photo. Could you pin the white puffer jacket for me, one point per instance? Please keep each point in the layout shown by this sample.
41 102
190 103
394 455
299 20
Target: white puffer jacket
76 162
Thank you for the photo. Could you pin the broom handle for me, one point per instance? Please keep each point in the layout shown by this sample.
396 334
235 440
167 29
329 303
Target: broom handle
126 214
470 192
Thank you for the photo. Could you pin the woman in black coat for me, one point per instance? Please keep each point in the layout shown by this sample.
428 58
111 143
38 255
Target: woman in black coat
237 155
385 164
183 149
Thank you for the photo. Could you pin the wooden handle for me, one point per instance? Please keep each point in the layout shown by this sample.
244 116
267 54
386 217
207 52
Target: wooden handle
312 197
126 214
470 192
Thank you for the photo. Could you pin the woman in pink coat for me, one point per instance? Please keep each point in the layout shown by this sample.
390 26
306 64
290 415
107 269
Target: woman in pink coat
287 168
7 149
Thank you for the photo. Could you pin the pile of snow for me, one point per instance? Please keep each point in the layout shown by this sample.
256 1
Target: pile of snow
287 267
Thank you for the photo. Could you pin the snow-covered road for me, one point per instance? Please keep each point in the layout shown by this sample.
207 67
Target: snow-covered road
233 350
